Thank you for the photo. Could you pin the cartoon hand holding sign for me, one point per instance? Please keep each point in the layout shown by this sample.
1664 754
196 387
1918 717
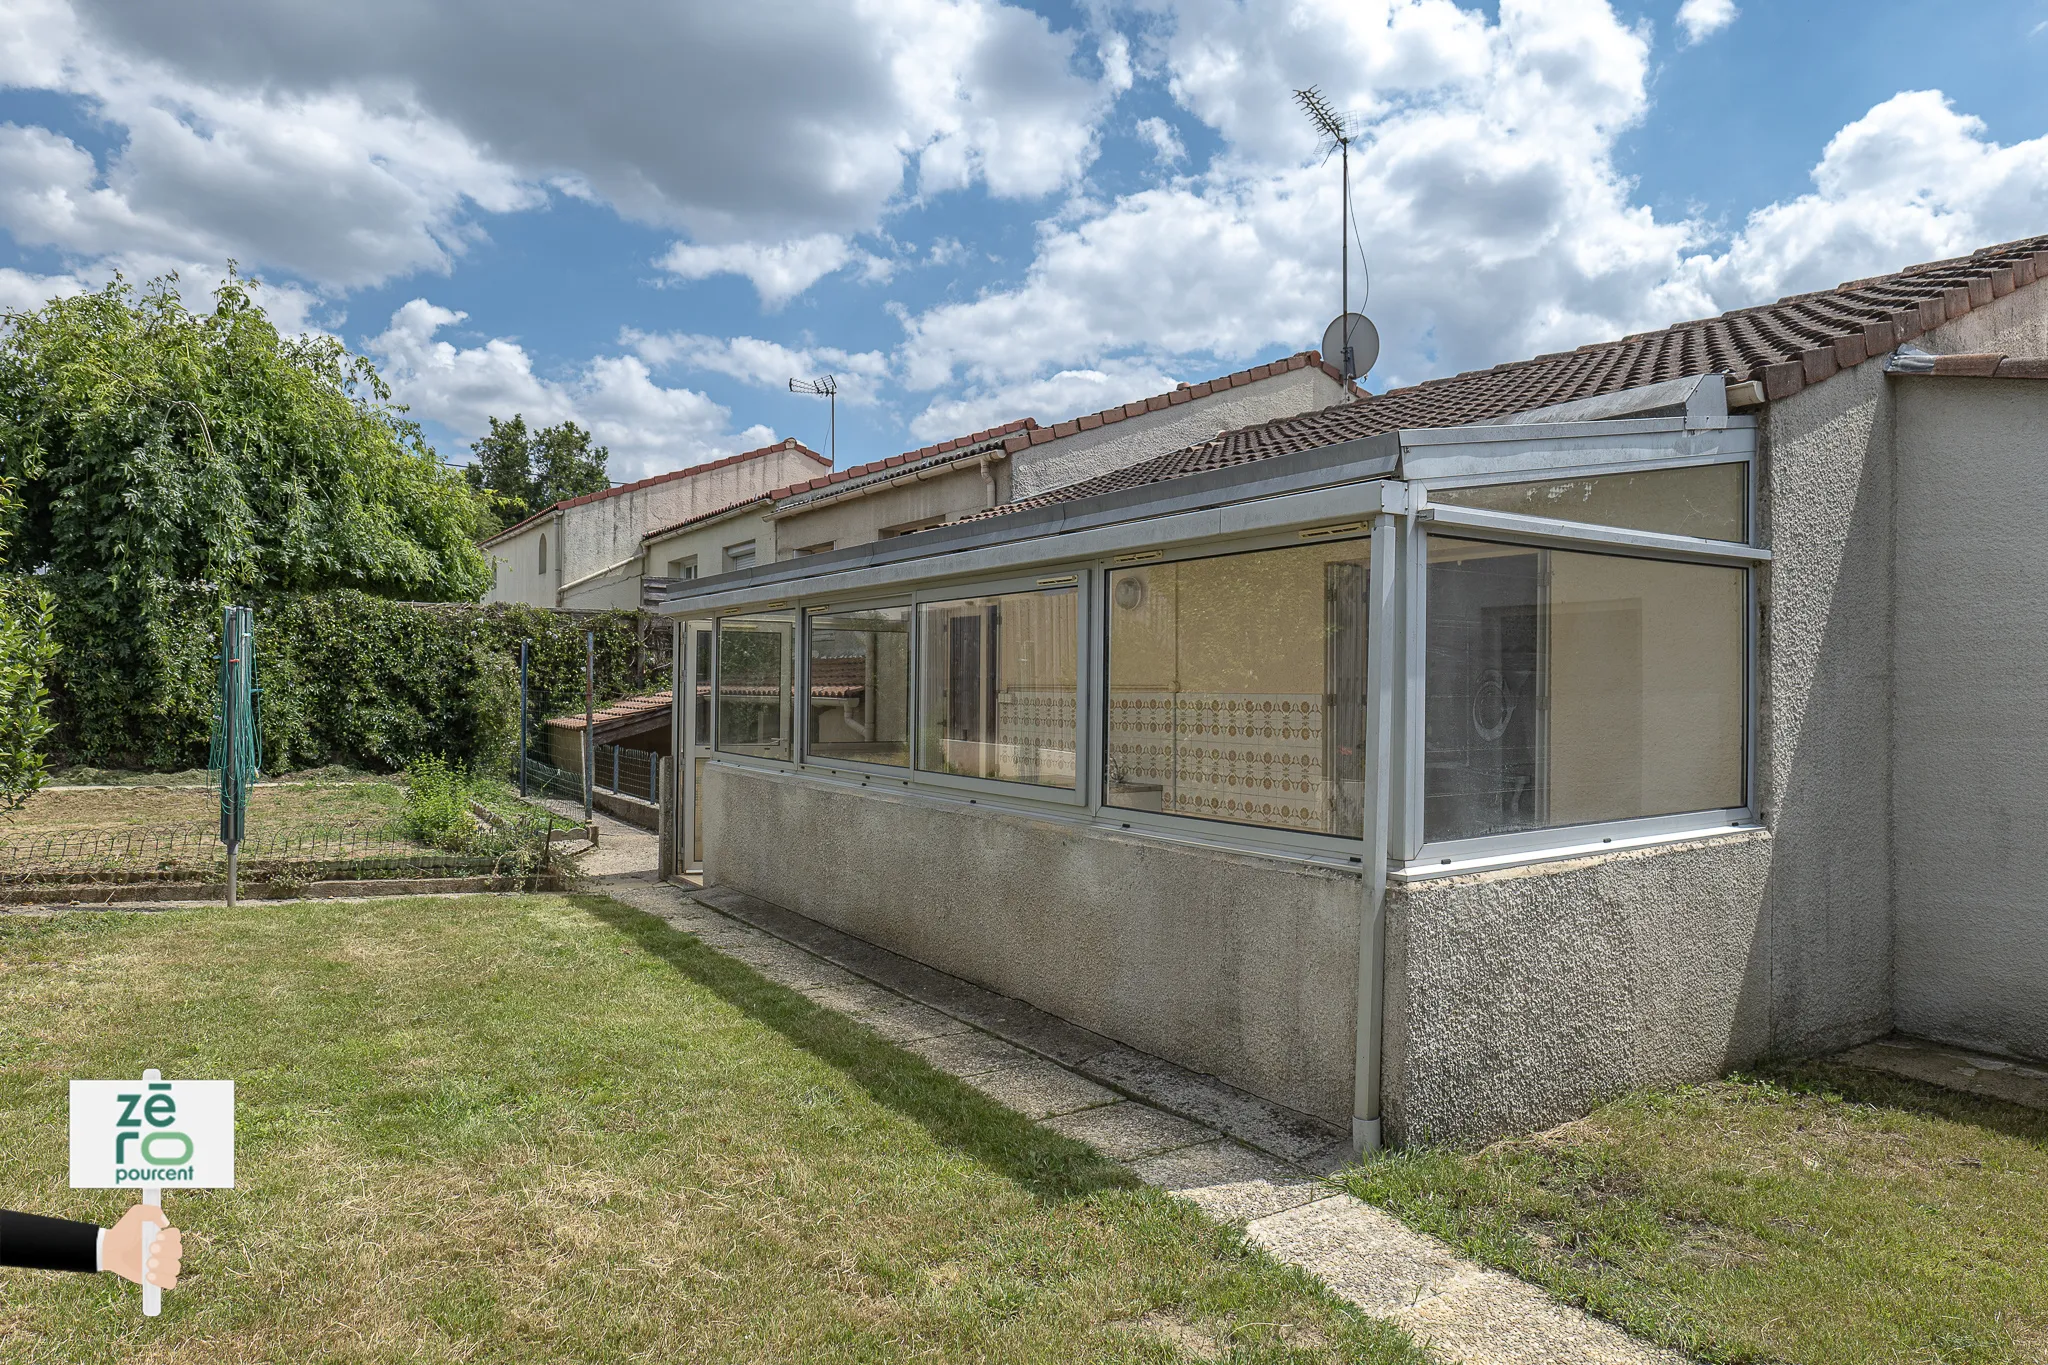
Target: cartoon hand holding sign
151 1133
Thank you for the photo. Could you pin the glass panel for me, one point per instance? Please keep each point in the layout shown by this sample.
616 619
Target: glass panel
1237 688
756 684
703 735
1566 688
996 686
860 686
1710 501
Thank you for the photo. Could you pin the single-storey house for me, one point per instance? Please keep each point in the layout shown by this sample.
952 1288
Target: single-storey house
1441 762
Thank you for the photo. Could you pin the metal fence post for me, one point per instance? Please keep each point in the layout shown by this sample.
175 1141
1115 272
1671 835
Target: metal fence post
524 646
615 767
589 720
665 844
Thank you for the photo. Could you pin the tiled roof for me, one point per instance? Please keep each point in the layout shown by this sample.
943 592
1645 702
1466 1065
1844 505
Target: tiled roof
705 518
1027 432
790 443
1186 393
626 709
958 443
1782 346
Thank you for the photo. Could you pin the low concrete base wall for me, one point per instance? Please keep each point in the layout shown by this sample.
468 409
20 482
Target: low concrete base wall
1518 1000
1241 967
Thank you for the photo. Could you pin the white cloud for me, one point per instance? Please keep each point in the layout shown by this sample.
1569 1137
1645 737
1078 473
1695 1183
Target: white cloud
779 271
1487 198
766 364
1912 180
1165 142
1054 398
1702 19
1495 219
355 147
22 292
648 428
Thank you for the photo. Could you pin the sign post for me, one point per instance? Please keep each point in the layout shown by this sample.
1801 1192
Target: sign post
152 1134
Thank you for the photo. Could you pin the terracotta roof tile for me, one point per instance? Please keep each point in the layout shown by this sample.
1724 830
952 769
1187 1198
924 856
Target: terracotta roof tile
1800 340
960 443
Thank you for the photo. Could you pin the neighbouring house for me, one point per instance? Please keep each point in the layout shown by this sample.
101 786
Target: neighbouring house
586 552
1443 762
955 479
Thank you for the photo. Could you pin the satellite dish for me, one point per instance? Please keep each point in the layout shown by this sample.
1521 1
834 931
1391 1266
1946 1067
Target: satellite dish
1355 330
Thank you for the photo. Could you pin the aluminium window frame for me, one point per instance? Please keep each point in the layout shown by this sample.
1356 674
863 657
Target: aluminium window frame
806 610
1269 839
799 680
1272 515
1412 854
1051 577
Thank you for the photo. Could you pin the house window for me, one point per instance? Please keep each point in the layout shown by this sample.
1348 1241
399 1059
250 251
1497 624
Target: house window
1237 688
1566 688
756 685
739 556
683 568
860 686
996 686
543 552
1709 501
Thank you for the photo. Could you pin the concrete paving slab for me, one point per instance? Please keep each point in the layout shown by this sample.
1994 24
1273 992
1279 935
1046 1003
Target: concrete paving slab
1490 1318
1975 1073
968 1054
1255 1122
854 997
906 1022
1127 1130
1039 1089
1367 1256
1229 1182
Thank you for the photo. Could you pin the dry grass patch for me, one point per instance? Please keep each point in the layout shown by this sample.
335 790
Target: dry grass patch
1819 1216
368 807
550 1128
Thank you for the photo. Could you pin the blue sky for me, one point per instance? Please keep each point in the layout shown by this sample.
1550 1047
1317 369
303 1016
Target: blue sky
648 216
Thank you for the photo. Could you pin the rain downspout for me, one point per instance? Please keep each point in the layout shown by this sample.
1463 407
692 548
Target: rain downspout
1384 622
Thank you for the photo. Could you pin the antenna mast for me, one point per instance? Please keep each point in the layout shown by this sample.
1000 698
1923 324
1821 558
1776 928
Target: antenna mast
1331 125
828 387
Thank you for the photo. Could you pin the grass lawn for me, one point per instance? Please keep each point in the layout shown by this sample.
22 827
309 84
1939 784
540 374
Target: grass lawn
547 1128
1818 1215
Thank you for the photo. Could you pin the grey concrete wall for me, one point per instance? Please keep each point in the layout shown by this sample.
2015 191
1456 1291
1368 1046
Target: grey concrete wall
1118 445
1519 999
1970 712
1240 967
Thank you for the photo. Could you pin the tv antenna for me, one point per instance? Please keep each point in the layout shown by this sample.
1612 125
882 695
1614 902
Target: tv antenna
1352 336
827 387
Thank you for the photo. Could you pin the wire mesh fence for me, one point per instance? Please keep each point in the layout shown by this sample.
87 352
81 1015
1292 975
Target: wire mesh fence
285 860
629 772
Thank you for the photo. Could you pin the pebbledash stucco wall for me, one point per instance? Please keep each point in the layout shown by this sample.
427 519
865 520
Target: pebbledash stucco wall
1238 966
1519 999
1970 712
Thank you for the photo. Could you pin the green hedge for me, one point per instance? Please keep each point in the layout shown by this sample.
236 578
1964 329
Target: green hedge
361 680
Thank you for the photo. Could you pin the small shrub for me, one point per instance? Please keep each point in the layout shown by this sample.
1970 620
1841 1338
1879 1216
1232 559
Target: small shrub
437 805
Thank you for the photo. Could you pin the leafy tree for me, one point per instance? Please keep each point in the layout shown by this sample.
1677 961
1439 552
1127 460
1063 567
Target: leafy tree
503 469
27 645
519 472
169 462
566 465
